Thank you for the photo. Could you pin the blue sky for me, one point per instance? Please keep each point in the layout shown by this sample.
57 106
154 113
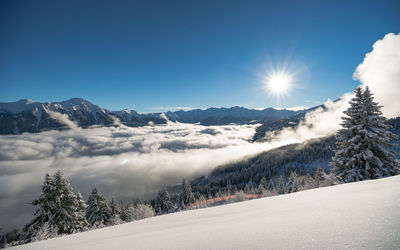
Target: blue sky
146 55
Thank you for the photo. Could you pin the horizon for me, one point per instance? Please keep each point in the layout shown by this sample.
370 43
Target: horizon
170 109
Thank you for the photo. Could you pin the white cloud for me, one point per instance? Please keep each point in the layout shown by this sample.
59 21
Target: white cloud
317 123
380 70
63 118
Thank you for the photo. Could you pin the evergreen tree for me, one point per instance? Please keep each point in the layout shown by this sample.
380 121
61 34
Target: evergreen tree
44 232
81 212
163 203
97 213
45 212
319 175
280 188
186 197
229 188
142 211
129 214
261 189
292 184
364 144
248 189
115 212
271 186
308 182
58 212
263 182
66 214
115 208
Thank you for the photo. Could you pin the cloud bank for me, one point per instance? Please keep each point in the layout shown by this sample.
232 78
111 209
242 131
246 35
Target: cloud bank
380 70
121 161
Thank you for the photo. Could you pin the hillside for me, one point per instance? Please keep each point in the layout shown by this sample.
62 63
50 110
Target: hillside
362 215
300 157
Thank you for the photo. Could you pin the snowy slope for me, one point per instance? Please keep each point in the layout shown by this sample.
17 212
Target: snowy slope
363 215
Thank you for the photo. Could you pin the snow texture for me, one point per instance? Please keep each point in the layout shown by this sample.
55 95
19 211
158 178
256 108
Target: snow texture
362 215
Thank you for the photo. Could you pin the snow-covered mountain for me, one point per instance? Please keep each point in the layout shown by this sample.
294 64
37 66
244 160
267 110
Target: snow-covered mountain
30 116
361 215
223 116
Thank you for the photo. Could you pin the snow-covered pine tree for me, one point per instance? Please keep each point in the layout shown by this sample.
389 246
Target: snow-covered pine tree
115 212
142 211
263 182
124 212
280 188
81 213
249 189
66 215
271 187
364 144
186 196
97 212
292 184
129 212
44 232
229 188
381 160
307 182
45 212
163 203
58 211
319 175
261 189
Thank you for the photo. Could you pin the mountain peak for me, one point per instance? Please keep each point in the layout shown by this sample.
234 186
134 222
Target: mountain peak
26 101
77 101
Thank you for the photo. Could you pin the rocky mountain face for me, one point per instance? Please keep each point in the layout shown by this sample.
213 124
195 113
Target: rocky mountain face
30 116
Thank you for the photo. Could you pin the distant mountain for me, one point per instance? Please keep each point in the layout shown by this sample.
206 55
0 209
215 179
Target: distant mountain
30 116
223 116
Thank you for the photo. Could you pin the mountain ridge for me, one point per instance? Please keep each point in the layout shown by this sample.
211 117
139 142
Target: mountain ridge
29 116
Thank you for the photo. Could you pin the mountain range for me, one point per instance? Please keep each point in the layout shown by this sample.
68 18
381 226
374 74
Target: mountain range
30 116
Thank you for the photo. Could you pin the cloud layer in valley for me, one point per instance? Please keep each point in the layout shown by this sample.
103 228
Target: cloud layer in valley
121 161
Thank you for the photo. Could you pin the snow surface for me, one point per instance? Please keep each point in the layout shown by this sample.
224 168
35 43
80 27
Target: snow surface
363 215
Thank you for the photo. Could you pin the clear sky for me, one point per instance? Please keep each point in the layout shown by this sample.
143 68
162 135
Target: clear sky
149 55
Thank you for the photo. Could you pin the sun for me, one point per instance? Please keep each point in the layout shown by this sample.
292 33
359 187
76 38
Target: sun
278 83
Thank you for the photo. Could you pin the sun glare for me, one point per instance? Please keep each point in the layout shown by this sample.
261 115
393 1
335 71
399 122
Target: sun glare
278 83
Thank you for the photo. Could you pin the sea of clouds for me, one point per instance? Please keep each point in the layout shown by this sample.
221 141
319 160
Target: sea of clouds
135 162
121 161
